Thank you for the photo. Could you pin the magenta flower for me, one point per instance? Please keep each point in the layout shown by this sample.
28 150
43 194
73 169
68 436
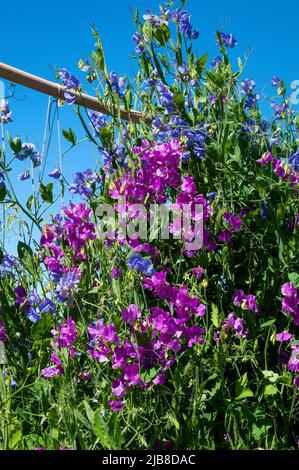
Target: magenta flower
266 158
289 290
131 374
234 221
116 273
119 388
224 236
188 185
3 336
293 363
246 302
116 405
284 336
198 272
131 314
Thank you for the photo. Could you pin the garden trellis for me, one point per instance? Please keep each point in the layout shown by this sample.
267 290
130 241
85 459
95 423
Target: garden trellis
34 82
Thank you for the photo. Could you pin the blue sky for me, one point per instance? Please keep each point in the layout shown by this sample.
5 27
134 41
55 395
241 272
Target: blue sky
39 38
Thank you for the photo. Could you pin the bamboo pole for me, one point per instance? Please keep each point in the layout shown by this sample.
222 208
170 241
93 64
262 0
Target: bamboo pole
57 91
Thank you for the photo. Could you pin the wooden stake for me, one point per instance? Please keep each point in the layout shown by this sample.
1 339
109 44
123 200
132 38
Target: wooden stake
57 91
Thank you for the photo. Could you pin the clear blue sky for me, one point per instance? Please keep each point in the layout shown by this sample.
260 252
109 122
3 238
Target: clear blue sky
39 37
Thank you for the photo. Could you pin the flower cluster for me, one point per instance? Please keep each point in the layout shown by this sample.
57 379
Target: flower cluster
84 183
74 232
71 84
63 339
28 151
151 347
290 302
246 302
281 168
247 89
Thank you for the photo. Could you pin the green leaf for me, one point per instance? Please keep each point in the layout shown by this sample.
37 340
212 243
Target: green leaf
270 390
69 135
24 250
245 394
215 77
270 375
30 202
174 421
294 278
215 316
15 144
147 30
149 374
46 192
267 323
162 34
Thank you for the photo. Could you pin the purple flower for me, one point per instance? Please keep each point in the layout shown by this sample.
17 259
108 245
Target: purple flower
235 323
131 314
166 97
47 306
119 388
276 81
71 83
284 336
279 110
24 176
188 185
141 264
5 112
216 62
289 290
228 40
233 221
266 158
224 236
117 83
198 272
293 363
246 302
8 264
2 332
116 273
247 86
182 17
116 405
55 173
139 43
66 286
84 183
28 151
98 120
131 374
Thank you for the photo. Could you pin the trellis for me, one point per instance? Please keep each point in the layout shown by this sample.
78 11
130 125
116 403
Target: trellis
42 85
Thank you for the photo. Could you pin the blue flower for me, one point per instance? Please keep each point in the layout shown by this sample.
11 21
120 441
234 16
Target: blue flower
141 264
97 119
47 306
117 83
24 176
71 83
228 40
84 183
28 151
5 112
66 286
55 173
